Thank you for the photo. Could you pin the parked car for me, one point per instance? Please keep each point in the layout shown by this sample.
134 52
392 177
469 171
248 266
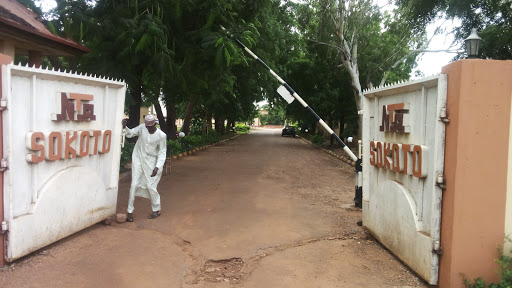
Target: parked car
288 130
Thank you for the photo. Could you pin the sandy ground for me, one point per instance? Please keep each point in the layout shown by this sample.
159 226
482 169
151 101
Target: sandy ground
260 210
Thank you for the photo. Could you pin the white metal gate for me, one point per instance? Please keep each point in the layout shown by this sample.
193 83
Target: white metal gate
403 161
62 144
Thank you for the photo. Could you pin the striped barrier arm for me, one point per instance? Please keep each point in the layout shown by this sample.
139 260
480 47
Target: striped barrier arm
296 96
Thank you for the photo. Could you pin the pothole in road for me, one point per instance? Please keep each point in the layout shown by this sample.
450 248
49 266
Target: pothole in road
227 270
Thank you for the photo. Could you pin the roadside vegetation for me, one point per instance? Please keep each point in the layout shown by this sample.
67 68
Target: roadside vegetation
185 144
505 263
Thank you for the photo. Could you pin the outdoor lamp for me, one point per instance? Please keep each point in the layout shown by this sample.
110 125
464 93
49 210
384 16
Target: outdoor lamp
181 135
473 44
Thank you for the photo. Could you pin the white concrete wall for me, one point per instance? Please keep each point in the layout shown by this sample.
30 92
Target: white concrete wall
49 200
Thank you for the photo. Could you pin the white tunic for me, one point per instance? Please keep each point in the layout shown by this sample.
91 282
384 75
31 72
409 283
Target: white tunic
149 152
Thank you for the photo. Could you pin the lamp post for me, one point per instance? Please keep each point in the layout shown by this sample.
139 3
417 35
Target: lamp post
181 135
473 44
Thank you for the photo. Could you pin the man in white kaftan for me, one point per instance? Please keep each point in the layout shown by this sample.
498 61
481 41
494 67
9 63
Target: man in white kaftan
148 159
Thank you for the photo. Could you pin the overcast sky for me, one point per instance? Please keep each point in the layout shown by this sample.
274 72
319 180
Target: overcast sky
431 62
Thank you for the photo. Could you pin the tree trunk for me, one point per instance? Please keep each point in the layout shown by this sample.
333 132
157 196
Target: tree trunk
161 118
350 63
231 124
342 124
171 121
134 109
219 123
313 129
54 60
188 115
208 122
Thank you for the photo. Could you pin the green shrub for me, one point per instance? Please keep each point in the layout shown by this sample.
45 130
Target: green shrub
242 128
194 141
196 128
173 147
505 263
213 137
126 154
317 139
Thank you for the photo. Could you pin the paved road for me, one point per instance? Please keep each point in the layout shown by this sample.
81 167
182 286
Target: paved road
260 210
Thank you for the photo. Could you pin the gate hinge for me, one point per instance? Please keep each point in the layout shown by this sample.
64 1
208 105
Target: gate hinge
3 104
438 251
5 227
3 164
440 181
443 115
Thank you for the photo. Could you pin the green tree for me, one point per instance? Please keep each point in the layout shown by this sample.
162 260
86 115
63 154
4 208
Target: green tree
128 40
169 51
491 17
368 42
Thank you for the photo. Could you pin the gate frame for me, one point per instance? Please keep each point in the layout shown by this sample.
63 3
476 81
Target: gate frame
4 60
436 179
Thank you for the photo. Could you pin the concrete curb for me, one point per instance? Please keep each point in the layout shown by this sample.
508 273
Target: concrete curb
343 158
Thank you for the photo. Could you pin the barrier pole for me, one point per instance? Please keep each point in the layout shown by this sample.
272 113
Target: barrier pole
358 199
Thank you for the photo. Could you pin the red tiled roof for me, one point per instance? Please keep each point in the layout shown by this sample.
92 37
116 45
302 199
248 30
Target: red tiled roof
16 16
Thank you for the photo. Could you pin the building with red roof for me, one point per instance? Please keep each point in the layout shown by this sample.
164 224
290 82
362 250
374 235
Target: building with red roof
22 34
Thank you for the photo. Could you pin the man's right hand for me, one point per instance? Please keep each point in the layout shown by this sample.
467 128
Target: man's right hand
124 122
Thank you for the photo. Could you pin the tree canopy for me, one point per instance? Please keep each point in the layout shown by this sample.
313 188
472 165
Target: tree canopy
173 54
492 19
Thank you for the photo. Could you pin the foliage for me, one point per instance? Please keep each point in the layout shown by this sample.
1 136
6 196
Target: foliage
317 139
126 154
184 144
174 52
212 137
276 115
491 17
173 147
242 128
194 141
341 54
177 146
368 44
170 52
196 128
505 263
187 143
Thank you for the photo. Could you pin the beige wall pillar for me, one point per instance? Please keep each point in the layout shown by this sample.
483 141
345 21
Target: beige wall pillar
476 169
7 48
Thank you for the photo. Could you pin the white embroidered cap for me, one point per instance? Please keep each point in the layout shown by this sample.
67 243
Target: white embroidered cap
150 120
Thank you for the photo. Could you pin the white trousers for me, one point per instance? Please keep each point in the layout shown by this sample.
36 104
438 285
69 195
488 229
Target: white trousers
153 194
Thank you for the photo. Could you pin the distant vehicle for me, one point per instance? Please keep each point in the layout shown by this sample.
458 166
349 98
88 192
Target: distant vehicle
288 130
